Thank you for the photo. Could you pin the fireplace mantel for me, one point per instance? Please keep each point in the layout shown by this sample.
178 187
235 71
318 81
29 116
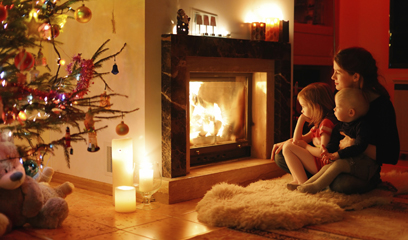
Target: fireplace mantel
182 53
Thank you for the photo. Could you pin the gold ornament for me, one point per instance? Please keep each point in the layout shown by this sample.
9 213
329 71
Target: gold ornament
122 129
89 121
33 24
83 14
105 101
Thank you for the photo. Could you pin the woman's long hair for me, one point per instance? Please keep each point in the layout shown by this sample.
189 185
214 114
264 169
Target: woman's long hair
359 60
320 98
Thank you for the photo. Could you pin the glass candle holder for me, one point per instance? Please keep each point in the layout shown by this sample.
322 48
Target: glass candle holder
147 180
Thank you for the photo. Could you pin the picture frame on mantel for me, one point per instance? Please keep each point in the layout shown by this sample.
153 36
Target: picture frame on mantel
203 23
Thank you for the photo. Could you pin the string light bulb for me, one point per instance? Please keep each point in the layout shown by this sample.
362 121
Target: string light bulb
61 62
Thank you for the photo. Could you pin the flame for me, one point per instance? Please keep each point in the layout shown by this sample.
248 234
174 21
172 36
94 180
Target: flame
206 120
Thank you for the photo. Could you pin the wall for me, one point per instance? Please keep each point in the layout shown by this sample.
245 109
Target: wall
365 23
140 24
86 38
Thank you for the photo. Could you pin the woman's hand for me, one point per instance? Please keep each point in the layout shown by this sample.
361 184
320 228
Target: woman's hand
346 141
277 147
328 157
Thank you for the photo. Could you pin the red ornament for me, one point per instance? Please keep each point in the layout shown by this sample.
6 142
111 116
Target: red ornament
40 60
122 129
67 138
21 78
8 117
3 12
45 31
83 14
24 60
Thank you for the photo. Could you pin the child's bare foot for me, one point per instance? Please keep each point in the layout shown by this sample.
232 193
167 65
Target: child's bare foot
308 188
292 185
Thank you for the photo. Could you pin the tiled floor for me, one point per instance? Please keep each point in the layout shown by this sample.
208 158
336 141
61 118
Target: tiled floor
92 216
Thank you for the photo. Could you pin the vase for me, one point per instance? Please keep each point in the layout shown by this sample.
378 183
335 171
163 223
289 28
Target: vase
147 180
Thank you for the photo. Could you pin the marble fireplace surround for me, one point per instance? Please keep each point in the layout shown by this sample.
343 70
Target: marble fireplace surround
270 65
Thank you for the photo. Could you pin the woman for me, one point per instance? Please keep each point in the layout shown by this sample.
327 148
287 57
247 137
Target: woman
356 68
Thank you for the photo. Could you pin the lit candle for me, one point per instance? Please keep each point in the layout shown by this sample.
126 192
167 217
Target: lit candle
258 31
272 29
122 163
145 177
125 199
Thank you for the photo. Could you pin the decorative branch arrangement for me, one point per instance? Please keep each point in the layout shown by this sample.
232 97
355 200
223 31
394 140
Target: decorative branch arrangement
48 101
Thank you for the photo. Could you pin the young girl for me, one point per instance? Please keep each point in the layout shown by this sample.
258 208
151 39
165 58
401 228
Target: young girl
317 104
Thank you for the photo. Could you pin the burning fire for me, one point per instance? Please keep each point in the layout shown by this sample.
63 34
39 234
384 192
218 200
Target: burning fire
217 112
206 120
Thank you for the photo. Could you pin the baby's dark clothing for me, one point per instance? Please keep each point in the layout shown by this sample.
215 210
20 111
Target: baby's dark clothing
358 129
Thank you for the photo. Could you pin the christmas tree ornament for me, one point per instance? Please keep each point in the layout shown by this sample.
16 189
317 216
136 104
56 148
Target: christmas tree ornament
182 22
1 109
93 142
56 110
31 167
24 60
85 75
122 129
8 116
68 141
33 24
21 117
115 69
83 14
67 137
3 12
33 74
90 127
105 101
40 59
89 121
47 31
49 6
21 78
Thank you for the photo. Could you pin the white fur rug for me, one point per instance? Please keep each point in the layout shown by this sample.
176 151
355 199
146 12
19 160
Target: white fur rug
269 205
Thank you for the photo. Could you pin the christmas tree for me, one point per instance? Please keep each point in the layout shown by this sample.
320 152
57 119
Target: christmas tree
33 102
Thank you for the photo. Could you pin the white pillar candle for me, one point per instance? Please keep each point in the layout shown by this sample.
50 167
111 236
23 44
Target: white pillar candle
122 163
145 180
125 199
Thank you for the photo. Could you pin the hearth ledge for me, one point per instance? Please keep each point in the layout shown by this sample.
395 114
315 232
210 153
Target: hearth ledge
200 179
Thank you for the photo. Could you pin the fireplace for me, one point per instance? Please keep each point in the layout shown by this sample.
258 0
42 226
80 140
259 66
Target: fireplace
219 111
258 75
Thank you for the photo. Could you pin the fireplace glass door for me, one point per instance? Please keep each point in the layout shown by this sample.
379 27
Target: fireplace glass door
219 117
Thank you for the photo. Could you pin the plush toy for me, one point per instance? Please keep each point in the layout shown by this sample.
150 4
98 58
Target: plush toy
27 200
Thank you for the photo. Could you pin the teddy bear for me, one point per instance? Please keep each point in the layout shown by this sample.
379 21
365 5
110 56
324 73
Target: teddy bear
24 199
